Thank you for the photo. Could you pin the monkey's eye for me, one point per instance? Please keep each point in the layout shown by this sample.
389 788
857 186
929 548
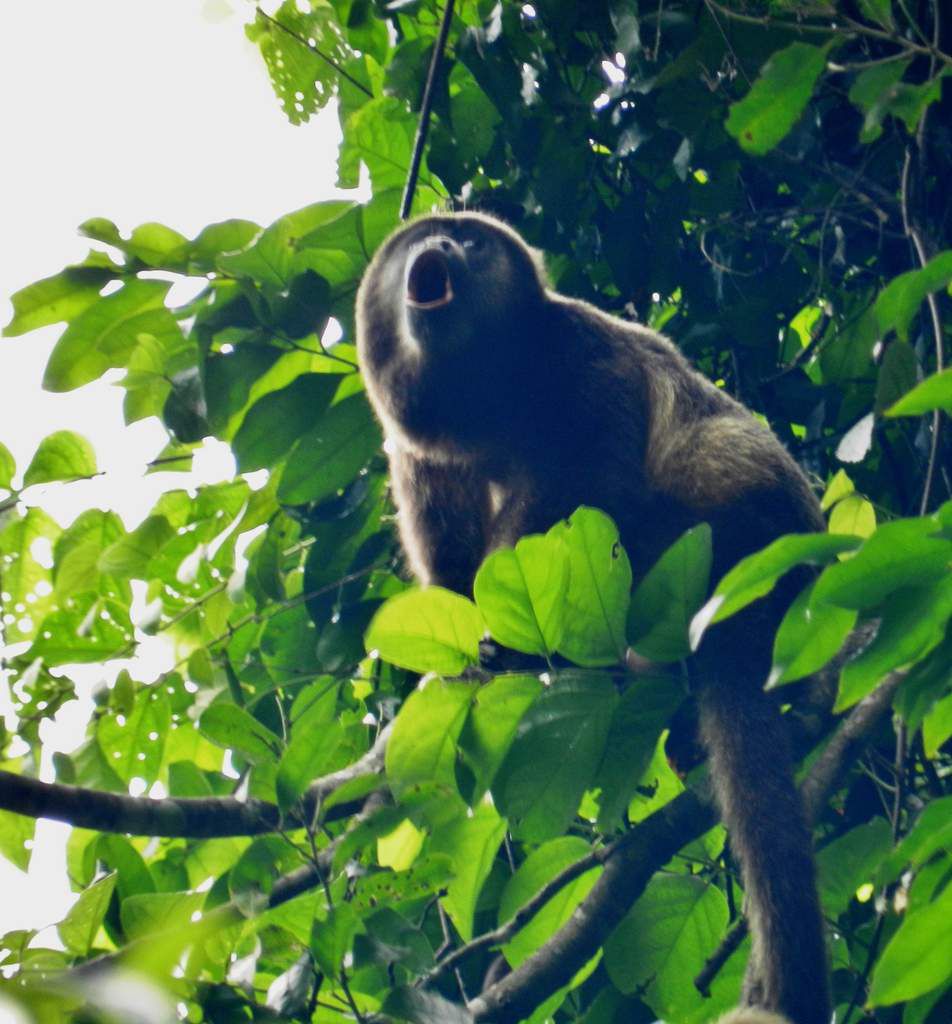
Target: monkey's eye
474 243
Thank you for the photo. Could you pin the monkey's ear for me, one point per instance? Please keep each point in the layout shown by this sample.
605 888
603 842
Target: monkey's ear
752 1015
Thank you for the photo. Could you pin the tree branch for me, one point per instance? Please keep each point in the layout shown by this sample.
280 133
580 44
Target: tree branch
635 859
179 817
426 109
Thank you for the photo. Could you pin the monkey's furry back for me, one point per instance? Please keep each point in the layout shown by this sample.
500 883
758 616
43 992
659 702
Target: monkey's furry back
506 406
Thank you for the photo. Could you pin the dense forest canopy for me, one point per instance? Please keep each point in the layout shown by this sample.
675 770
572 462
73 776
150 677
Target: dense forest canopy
326 836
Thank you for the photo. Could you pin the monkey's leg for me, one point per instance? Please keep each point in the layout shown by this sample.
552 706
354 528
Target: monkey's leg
443 511
753 781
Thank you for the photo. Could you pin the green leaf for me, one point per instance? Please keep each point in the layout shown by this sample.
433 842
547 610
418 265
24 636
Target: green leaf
53 299
521 594
913 622
8 467
131 555
472 843
838 488
157 245
897 374
666 600
90 628
934 392
903 553
277 420
133 744
916 960
422 748
879 11
303 80
106 333
850 861
419 1006
777 99
873 91
559 746
308 755
853 515
497 710
638 720
333 937
331 454
61 456
26 574
231 727
664 940
539 868
429 630
16 838
810 634
599 587
148 913
79 928
427 876
900 300
937 726
756 575
931 833
77 552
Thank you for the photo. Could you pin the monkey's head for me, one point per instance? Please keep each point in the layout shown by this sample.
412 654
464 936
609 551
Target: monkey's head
448 325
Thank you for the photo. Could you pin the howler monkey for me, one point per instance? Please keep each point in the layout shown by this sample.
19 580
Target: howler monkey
505 407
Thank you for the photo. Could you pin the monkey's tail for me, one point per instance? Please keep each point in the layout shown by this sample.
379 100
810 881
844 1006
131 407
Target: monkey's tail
753 782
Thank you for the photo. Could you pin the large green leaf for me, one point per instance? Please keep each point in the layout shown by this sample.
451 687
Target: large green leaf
903 553
934 392
276 421
330 455
599 585
539 868
916 960
106 333
521 594
808 637
777 99
665 939
757 574
665 601
64 455
913 623
553 760
498 708
430 630
472 843
232 727
899 301
422 748
79 928
55 298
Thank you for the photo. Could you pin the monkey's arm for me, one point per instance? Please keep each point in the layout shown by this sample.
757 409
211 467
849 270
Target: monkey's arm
443 512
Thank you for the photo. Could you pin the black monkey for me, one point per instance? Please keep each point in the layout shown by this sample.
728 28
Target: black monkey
505 407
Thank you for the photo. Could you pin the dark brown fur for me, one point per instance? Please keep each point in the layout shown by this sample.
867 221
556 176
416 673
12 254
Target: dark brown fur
508 407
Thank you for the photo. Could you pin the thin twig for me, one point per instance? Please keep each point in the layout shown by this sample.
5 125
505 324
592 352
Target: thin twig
426 109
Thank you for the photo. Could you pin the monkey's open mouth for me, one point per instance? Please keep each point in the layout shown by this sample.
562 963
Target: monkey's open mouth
428 283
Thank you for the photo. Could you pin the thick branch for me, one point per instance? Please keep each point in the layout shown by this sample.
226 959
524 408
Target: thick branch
181 817
642 852
653 843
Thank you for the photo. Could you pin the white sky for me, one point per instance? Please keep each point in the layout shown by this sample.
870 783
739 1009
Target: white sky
134 110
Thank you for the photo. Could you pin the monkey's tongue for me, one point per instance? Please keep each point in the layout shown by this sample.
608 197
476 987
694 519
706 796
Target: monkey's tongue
428 283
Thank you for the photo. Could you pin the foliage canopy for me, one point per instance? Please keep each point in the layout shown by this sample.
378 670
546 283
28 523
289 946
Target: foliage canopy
764 182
